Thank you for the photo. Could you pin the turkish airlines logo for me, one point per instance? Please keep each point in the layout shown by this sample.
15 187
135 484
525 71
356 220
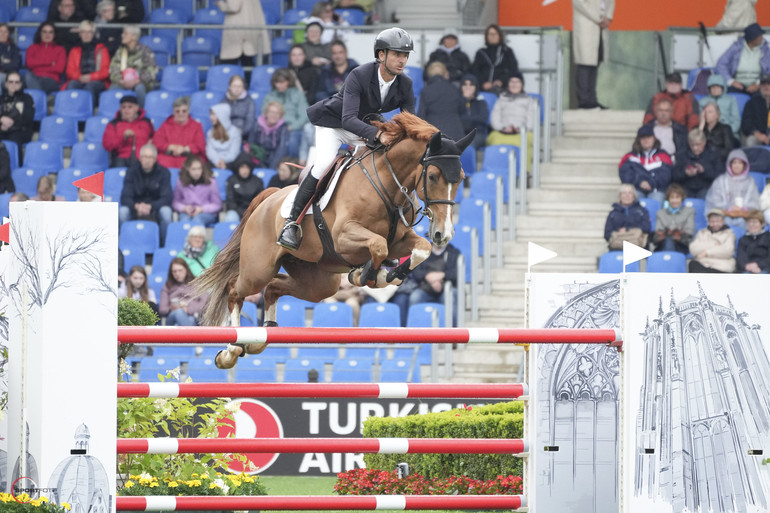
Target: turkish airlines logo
253 419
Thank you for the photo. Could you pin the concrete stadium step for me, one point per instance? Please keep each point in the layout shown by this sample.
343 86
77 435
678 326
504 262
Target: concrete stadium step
559 196
544 238
618 146
585 248
554 169
610 123
607 182
586 156
502 354
559 209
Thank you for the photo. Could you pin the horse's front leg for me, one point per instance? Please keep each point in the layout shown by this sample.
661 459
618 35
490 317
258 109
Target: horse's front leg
351 240
418 249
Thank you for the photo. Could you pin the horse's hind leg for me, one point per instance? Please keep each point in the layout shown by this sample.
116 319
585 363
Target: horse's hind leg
227 359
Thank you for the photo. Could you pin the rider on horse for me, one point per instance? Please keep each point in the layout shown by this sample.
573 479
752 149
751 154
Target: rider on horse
375 87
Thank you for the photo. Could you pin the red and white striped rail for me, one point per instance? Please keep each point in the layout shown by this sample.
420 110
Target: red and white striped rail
323 445
323 502
216 334
327 390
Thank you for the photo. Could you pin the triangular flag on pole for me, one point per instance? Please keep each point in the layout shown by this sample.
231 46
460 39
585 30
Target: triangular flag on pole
537 254
5 233
633 253
93 183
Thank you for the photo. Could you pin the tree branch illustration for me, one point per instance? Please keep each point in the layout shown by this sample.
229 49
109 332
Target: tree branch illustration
66 250
24 251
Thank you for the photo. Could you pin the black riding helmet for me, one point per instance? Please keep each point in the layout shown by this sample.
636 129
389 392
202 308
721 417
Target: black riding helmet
393 39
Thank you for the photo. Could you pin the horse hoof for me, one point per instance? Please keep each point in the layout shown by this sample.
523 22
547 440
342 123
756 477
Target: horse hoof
216 361
270 324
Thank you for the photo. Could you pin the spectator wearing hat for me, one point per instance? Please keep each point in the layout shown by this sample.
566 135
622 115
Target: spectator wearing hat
513 112
475 111
698 166
753 255
728 105
713 246
745 61
647 167
242 187
441 103
674 222
133 65
735 192
686 109
88 64
755 121
127 132
672 135
449 53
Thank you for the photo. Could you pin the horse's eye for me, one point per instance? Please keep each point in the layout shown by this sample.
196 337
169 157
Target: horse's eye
433 177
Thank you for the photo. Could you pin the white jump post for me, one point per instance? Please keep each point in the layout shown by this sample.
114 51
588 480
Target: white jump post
61 289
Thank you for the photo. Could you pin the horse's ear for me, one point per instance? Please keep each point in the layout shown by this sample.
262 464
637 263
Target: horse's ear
465 141
434 146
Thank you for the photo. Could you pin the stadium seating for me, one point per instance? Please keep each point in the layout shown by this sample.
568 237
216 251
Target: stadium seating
221 176
290 313
25 179
183 7
652 206
43 156
74 103
159 104
161 260
201 102
760 179
249 314
272 10
199 371
490 98
113 183
279 48
260 78
30 14
415 73
222 233
6 14
180 79
5 199
218 77
332 315
94 131
276 352
256 370
210 16
41 103
380 315
352 16
496 158
462 241
398 371
612 262
472 211
109 101
468 160
13 153
176 233
64 181
257 96
25 36
156 281
370 352
199 51
296 370
351 371
420 315
89 155
324 352
667 262
59 129
183 353
699 206
167 17
741 99
139 236
484 185
264 173
132 257
163 46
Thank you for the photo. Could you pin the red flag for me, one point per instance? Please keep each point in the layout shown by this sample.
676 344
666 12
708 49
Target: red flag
5 234
93 183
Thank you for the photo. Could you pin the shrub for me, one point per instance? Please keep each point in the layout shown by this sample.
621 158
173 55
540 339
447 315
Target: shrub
8 504
132 312
380 482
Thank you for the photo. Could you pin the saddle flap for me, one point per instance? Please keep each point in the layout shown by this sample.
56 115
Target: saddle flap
324 189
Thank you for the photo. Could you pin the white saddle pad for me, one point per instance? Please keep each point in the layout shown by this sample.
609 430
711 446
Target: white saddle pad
327 196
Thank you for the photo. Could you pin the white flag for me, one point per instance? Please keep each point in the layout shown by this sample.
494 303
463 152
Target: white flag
633 253
537 254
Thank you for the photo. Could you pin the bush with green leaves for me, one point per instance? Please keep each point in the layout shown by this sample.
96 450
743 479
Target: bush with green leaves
501 420
133 312
24 504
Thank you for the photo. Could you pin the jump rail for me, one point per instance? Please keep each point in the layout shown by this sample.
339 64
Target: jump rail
323 445
323 502
216 334
330 390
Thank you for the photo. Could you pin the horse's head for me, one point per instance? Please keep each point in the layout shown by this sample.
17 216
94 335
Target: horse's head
439 181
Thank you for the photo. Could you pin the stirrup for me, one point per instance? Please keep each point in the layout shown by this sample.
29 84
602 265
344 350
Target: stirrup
285 244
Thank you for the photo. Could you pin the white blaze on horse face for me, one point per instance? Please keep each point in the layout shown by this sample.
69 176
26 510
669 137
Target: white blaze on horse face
449 228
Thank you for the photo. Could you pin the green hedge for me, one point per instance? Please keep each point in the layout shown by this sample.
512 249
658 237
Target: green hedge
501 420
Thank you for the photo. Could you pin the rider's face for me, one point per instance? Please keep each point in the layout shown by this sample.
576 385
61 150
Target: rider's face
395 61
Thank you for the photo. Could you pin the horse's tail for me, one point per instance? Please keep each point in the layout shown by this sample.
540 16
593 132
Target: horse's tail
215 281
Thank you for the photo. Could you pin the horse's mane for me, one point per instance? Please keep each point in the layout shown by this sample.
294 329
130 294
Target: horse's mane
408 125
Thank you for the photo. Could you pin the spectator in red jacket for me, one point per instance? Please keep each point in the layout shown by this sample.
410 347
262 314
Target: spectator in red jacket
88 64
686 109
45 60
179 136
125 135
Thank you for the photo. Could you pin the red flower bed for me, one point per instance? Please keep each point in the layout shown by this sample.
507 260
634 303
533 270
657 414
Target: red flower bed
380 482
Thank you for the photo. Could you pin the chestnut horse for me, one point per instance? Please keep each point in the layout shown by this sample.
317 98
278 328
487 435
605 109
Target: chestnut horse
369 217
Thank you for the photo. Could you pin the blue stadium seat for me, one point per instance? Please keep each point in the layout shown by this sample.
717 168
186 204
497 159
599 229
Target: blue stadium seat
200 52
8 10
113 183
290 313
25 36
161 260
249 314
207 375
211 16
218 77
279 50
256 370
59 129
402 352
352 371
652 206
741 99
74 103
222 233
472 211
420 315
293 16
462 241
89 155
41 103
415 73
151 376
180 78
304 5
31 14
260 78
323 352
174 172
332 315
160 104
5 199
109 101
94 131
183 353
398 371
221 176
132 257
163 46
257 96
380 315
64 181
693 74
540 101
140 236
43 156
176 233
276 352
265 173
468 160
699 206
496 158
371 353
13 153
25 179
167 17
184 7
612 262
297 368
201 102
272 10
484 185
739 232
352 16
667 262
760 179
491 99
156 281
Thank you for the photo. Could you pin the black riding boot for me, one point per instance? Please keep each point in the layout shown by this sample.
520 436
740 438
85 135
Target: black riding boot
291 235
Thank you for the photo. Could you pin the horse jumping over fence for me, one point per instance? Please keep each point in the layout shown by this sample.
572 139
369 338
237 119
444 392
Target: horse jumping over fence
368 223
